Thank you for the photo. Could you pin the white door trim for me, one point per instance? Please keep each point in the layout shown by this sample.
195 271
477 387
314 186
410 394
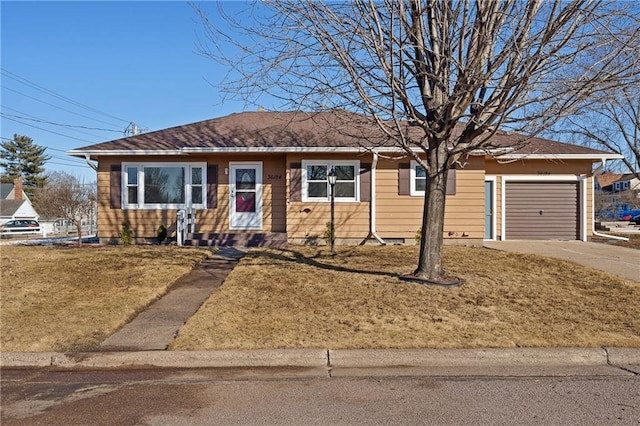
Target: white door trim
494 204
582 181
254 223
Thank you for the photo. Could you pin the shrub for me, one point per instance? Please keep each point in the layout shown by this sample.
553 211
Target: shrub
162 234
327 233
126 234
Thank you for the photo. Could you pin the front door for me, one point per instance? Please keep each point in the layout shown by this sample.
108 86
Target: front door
245 196
488 210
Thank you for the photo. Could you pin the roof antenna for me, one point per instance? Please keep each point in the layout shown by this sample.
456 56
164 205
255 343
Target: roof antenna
133 129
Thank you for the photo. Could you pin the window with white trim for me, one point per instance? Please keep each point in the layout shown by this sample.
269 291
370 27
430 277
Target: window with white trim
164 185
418 176
315 181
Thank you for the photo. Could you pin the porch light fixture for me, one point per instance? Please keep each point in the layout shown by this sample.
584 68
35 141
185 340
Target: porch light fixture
332 182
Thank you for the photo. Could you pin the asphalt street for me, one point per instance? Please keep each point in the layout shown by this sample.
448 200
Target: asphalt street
313 396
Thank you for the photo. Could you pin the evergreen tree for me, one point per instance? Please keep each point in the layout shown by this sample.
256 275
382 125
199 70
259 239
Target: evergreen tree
21 157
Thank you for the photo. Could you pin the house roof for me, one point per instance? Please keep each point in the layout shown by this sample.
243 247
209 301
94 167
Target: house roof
626 177
9 207
607 178
5 190
262 131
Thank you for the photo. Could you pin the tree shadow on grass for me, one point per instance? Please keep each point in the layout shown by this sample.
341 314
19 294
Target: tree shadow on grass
314 261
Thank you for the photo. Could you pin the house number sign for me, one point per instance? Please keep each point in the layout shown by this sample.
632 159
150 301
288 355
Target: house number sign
544 173
274 177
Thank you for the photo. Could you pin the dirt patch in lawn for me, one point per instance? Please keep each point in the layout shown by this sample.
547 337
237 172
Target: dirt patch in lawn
70 299
301 297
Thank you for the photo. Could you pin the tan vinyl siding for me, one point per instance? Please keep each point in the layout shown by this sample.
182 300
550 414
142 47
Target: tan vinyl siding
308 220
397 216
400 216
539 167
144 223
352 220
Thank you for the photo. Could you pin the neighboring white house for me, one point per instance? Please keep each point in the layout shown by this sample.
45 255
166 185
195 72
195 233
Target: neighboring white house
614 183
14 203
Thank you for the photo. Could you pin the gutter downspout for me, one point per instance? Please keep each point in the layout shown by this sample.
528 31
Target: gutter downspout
87 157
372 205
593 206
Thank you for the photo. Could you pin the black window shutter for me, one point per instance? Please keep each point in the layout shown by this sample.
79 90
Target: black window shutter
115 182
365 181
212 186
295 182
404 179
451 182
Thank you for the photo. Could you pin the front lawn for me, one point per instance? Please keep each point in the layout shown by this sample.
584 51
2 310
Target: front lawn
71 299
301 297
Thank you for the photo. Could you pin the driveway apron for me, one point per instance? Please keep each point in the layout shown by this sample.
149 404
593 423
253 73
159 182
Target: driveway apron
157 326
621 261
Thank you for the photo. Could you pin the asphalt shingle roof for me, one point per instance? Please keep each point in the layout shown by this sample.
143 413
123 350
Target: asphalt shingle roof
9 207
5 190
301 130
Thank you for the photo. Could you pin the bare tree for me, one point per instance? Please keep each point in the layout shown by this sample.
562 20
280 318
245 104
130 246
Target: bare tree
613 124
438 78
610 119
66 196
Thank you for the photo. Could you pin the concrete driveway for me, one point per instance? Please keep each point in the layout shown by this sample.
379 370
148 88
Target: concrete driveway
621 261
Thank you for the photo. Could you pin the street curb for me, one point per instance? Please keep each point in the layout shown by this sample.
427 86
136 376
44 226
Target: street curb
167 359
26 359
623 356
324 358
468 357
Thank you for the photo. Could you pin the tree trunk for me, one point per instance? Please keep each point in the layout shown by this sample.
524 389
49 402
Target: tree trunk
430 260
79 229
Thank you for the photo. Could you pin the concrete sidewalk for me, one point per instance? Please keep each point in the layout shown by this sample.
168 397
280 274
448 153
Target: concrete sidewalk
157 326
621 261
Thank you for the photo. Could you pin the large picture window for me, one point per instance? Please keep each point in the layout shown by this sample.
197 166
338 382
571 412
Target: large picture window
315 182
164 186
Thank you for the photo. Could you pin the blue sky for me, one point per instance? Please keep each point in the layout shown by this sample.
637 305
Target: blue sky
118 62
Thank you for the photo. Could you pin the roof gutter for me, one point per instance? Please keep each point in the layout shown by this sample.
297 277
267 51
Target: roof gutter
560 157
498 153
603 162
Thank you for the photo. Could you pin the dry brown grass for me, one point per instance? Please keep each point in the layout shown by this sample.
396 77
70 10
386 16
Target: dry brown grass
303 298
65 299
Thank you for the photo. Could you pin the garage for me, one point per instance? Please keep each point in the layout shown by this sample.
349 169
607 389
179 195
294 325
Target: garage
542 210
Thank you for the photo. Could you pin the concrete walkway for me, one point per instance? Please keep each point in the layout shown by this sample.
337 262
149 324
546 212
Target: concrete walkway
157 326
621 261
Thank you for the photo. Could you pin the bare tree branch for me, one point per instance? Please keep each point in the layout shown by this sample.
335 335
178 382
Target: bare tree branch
64 196
438 78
